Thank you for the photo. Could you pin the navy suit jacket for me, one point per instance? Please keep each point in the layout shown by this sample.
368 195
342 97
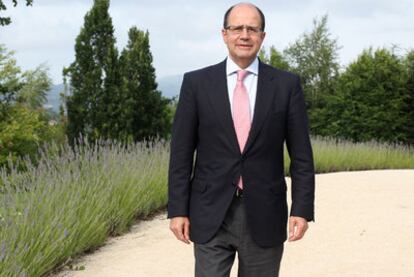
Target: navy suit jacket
206 162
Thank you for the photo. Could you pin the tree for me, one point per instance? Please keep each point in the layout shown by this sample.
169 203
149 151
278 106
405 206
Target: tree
34 88
370 102
23 120
93 80
9 80
314 57
22 132
7 20
274 58
27 88
409 64
145 111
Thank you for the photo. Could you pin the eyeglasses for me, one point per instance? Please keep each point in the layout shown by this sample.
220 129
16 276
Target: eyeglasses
239 29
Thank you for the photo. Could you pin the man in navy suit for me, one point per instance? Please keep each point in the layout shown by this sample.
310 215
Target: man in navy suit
232 197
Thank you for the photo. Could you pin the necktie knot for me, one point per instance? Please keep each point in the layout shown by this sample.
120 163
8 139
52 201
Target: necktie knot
241 74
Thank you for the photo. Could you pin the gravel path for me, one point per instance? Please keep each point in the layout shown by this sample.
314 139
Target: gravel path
364 227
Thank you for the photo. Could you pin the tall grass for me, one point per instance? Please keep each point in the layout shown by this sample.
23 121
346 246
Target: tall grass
70 203
333 155
74 199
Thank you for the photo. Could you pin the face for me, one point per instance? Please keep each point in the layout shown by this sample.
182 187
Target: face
243 46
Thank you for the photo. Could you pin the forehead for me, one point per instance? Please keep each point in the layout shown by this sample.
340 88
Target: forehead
244 14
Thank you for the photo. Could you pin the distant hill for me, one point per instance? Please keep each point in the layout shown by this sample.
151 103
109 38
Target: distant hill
53 97
169 87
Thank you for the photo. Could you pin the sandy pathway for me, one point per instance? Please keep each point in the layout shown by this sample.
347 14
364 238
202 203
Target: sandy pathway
364 227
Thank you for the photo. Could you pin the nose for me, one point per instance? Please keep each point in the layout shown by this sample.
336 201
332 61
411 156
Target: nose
244 34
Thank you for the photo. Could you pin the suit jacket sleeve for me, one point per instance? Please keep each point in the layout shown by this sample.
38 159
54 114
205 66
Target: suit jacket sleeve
183 144
300 151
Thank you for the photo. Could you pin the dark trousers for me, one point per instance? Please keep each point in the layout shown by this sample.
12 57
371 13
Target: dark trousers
215 258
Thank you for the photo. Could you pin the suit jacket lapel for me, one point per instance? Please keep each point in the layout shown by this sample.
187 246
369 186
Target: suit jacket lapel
264 97
219 99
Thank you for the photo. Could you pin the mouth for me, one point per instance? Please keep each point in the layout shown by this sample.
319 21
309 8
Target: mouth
244 46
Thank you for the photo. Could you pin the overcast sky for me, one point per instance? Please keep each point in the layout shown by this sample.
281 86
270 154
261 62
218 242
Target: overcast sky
185 35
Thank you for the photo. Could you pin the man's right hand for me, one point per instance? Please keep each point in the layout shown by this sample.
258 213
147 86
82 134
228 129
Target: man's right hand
180 226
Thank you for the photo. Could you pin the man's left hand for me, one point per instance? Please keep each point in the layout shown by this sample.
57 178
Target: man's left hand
297 227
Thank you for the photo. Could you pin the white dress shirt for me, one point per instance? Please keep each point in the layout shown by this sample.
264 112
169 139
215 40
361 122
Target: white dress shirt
250 82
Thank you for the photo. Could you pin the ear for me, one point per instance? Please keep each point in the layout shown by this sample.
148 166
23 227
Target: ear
224 35
263 35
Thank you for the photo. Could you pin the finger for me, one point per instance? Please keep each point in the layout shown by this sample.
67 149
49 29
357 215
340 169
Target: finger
300 231
291 228
187 232
177 231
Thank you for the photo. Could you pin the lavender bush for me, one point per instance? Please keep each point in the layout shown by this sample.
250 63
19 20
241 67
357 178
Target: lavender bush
333 155
72 201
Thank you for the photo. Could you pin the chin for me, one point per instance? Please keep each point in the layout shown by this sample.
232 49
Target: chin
246 57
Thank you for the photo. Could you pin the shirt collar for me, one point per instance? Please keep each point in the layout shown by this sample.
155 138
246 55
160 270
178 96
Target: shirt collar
232 67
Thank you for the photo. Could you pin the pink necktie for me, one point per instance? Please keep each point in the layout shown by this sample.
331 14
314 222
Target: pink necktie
241 113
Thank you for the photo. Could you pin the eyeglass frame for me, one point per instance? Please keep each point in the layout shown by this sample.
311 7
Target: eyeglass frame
240 28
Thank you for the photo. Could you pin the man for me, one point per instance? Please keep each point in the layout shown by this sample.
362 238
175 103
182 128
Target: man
235 116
